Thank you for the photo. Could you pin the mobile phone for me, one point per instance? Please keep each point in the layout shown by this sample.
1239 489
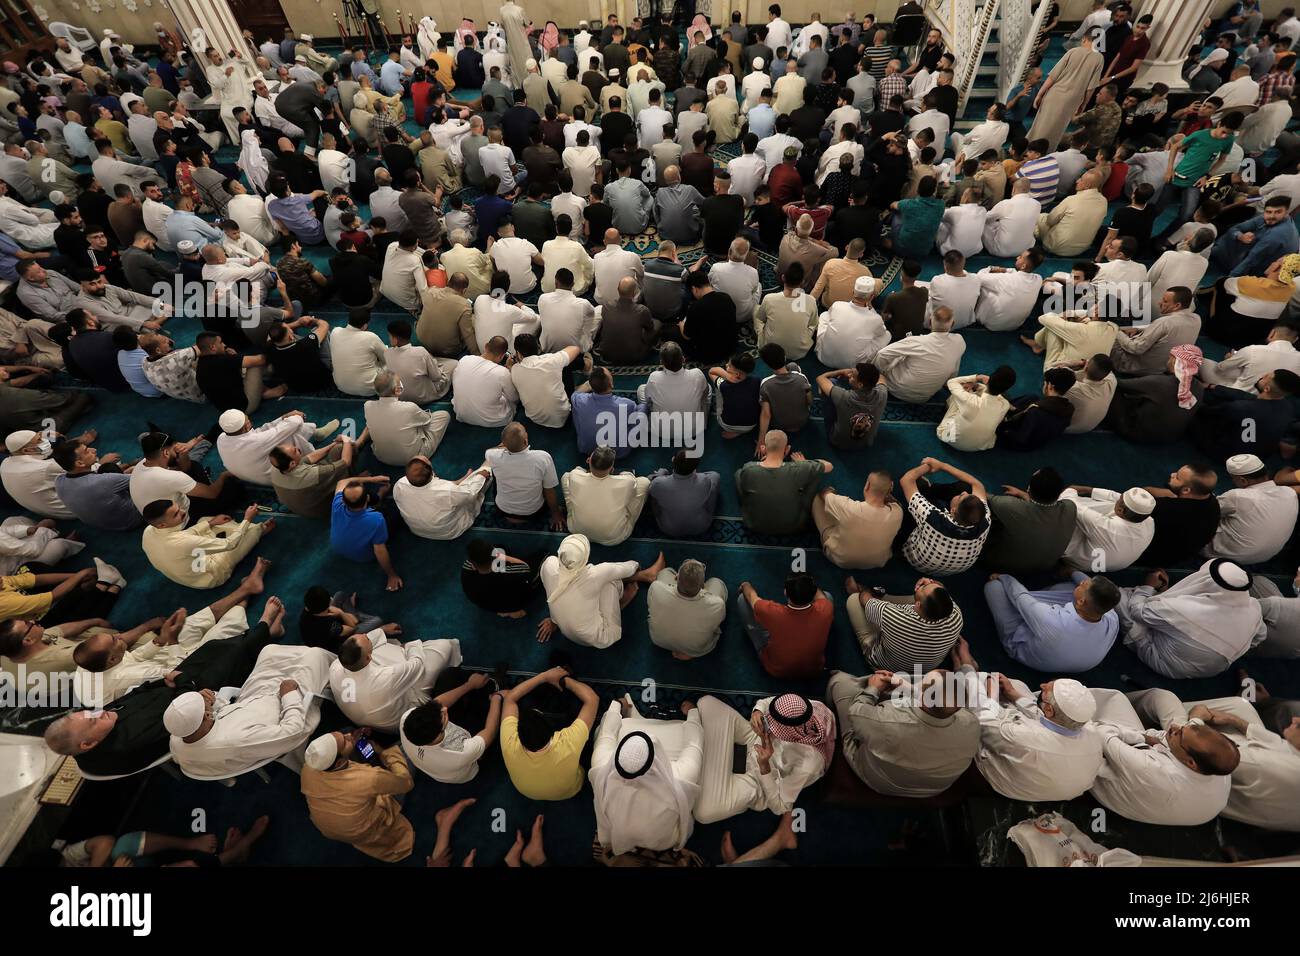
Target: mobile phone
365 748
739 756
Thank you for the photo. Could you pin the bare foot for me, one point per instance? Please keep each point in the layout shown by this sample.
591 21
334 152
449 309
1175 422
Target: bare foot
274 608
785 832
276 626
447 816
273 393
517 850
630 591
469 857
253 582
239 845
204 843
535 853
729 853
234 836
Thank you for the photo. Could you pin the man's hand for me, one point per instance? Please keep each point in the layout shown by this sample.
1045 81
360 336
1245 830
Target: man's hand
880 681
394 583
1201 712
110 458
1006 689
392 630
546 630
1246 237
1157 579
556 675
557 521
797 456
763 750
250 512
218 520
476 681
288 687
1015 492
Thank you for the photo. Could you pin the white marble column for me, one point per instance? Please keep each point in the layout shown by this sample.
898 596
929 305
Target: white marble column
216 22
1176 25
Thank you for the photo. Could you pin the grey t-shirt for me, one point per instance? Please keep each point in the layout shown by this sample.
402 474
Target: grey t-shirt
787 395
850 402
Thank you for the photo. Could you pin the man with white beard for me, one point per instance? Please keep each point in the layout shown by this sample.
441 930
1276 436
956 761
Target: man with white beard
1010 224
1031 748
376 680
271 715
1007 296
1180 775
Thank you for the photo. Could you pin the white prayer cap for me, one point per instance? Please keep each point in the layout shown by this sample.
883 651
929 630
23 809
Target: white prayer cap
232 420
1073 699
864 286
582 24
307 38
300 58
187 247
1139 501
184 715
1244 465
758 63
17 441
57 197
613 72
530 64
322 752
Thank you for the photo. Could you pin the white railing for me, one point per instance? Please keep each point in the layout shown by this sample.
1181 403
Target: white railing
969 65
1018 59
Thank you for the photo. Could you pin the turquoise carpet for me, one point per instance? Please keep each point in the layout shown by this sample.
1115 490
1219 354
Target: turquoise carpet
431 606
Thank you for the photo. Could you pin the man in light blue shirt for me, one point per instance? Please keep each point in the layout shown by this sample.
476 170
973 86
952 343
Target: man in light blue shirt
1266 238
184 224
78 140
361 68
390 75
762 119
1066 629
598 410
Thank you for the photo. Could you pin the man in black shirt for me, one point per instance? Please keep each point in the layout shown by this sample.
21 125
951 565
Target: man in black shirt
499 582
396 154
302 173
327 622
708 332
517 122
853 221
599 216
615 126
945 94
888 119
295 361
723 215
1186 516
807 121
220 375
844 58
93 353
356 276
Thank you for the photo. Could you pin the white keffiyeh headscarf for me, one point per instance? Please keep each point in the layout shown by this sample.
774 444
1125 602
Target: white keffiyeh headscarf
574 558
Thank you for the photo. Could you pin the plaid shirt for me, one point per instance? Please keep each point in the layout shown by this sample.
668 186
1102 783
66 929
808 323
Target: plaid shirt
895 84
381 122
1277 84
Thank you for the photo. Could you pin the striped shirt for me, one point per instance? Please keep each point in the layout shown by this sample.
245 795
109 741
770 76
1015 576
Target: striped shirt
1273 86
908 641
880 57
1043 174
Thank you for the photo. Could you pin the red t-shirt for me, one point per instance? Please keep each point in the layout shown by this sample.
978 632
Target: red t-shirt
797 648
1115 184
785 185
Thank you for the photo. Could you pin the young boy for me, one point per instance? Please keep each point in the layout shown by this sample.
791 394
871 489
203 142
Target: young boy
785 396
738 395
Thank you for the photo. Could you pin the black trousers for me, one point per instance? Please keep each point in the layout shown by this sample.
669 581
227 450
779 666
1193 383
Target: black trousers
80 604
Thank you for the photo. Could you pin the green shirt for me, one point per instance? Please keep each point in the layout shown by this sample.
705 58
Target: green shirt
919 220
1200 150
778 500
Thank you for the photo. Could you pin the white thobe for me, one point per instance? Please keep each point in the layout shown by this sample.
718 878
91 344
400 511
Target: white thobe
962 229
1246 366
1006 298
1255 523
958 293
916 367
588 611
245 455
398 677
442 509
848 334
259 725
1010 224
604 509
1102 541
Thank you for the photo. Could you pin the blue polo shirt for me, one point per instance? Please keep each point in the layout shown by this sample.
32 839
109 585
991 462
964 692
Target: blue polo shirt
296 211
353 534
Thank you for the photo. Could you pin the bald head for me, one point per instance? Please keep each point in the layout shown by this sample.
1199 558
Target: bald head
514 437
627 288
775 442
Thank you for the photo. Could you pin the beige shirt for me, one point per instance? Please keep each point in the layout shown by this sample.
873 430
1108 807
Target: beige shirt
858 534
604 509
1070 228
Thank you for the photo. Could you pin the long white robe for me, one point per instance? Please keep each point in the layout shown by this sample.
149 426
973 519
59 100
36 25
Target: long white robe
515 23
397 678
259 725
652 811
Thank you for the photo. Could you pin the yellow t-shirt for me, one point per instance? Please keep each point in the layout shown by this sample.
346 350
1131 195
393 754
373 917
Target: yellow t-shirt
550 774
13 603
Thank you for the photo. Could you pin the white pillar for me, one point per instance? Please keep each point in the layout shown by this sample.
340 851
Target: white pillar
1176 24
216 22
